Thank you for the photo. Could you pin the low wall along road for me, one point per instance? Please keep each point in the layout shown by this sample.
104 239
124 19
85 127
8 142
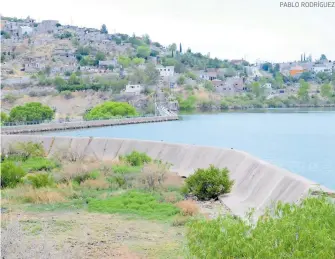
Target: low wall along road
257 183
83 124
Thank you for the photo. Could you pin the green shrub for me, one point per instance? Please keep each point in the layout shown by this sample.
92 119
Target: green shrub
38 164
30 112
83 177
125 169
11 174
289 231
136 158
40 180
29 149
109 110
208 183
136 203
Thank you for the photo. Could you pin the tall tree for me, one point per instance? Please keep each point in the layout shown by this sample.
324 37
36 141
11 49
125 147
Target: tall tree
104 29
303 90
151 74
326 90
173 48
323 57
180 49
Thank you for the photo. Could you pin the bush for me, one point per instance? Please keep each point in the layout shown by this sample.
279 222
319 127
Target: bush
11 174
188 208
153 176
208 183
40 180
29 112
109 110
67 94
136 158
304 230
136 203
27 149
37 164
125 169
10 98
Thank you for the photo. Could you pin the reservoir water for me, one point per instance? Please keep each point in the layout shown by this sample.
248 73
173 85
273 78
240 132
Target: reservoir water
302 141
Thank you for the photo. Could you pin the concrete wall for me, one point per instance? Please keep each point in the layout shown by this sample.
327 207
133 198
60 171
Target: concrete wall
257 183
82 124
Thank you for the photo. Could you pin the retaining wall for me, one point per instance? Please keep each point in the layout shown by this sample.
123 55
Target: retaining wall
257 183
82 124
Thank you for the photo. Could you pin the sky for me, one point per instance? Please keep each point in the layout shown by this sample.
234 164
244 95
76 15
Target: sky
227 29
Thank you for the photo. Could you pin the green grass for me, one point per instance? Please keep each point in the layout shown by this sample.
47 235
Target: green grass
142 204
73 205
125 169
36 164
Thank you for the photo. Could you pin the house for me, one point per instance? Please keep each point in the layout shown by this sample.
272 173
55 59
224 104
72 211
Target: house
296 70
327 68
212 75
166 71
267 88
237 61
230 86
134 89
47 26
107 63
25 31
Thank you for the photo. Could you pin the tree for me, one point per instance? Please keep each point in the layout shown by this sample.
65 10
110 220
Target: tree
109 110
138 76
151 74
124 61
74 80
306 76
181 80
59 82
104 29
4 117
180 49
267 66
146 39
138 61
303 90
99 56
169 61
323 57
326 90
143 51
209 86
173 48
256 89
29 112
279 80
324 77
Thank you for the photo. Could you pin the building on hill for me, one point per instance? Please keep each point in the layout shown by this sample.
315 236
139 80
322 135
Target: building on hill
135 89
296 71
106 63
230 86
326 68
209 75
25 31
166 71
47 26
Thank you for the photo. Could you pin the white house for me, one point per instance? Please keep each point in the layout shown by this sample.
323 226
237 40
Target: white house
134 89
25 30
322 68
166 71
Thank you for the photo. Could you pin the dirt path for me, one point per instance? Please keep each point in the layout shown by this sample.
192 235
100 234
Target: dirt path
88 235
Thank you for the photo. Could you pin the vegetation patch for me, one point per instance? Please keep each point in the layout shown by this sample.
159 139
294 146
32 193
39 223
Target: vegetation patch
208 183
136 158
289 231
143 204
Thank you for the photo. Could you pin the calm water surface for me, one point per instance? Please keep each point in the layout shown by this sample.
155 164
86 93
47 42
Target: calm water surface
300 141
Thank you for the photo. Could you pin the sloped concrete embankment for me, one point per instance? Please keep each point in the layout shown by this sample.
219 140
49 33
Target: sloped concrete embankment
257 183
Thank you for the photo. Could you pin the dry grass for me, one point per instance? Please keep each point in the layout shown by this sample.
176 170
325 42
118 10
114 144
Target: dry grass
170 197
97 184
71 170
44 196
180 220
188 207
38 196
153 176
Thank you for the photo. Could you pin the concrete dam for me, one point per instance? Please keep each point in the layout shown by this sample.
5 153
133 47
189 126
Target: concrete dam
257 183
